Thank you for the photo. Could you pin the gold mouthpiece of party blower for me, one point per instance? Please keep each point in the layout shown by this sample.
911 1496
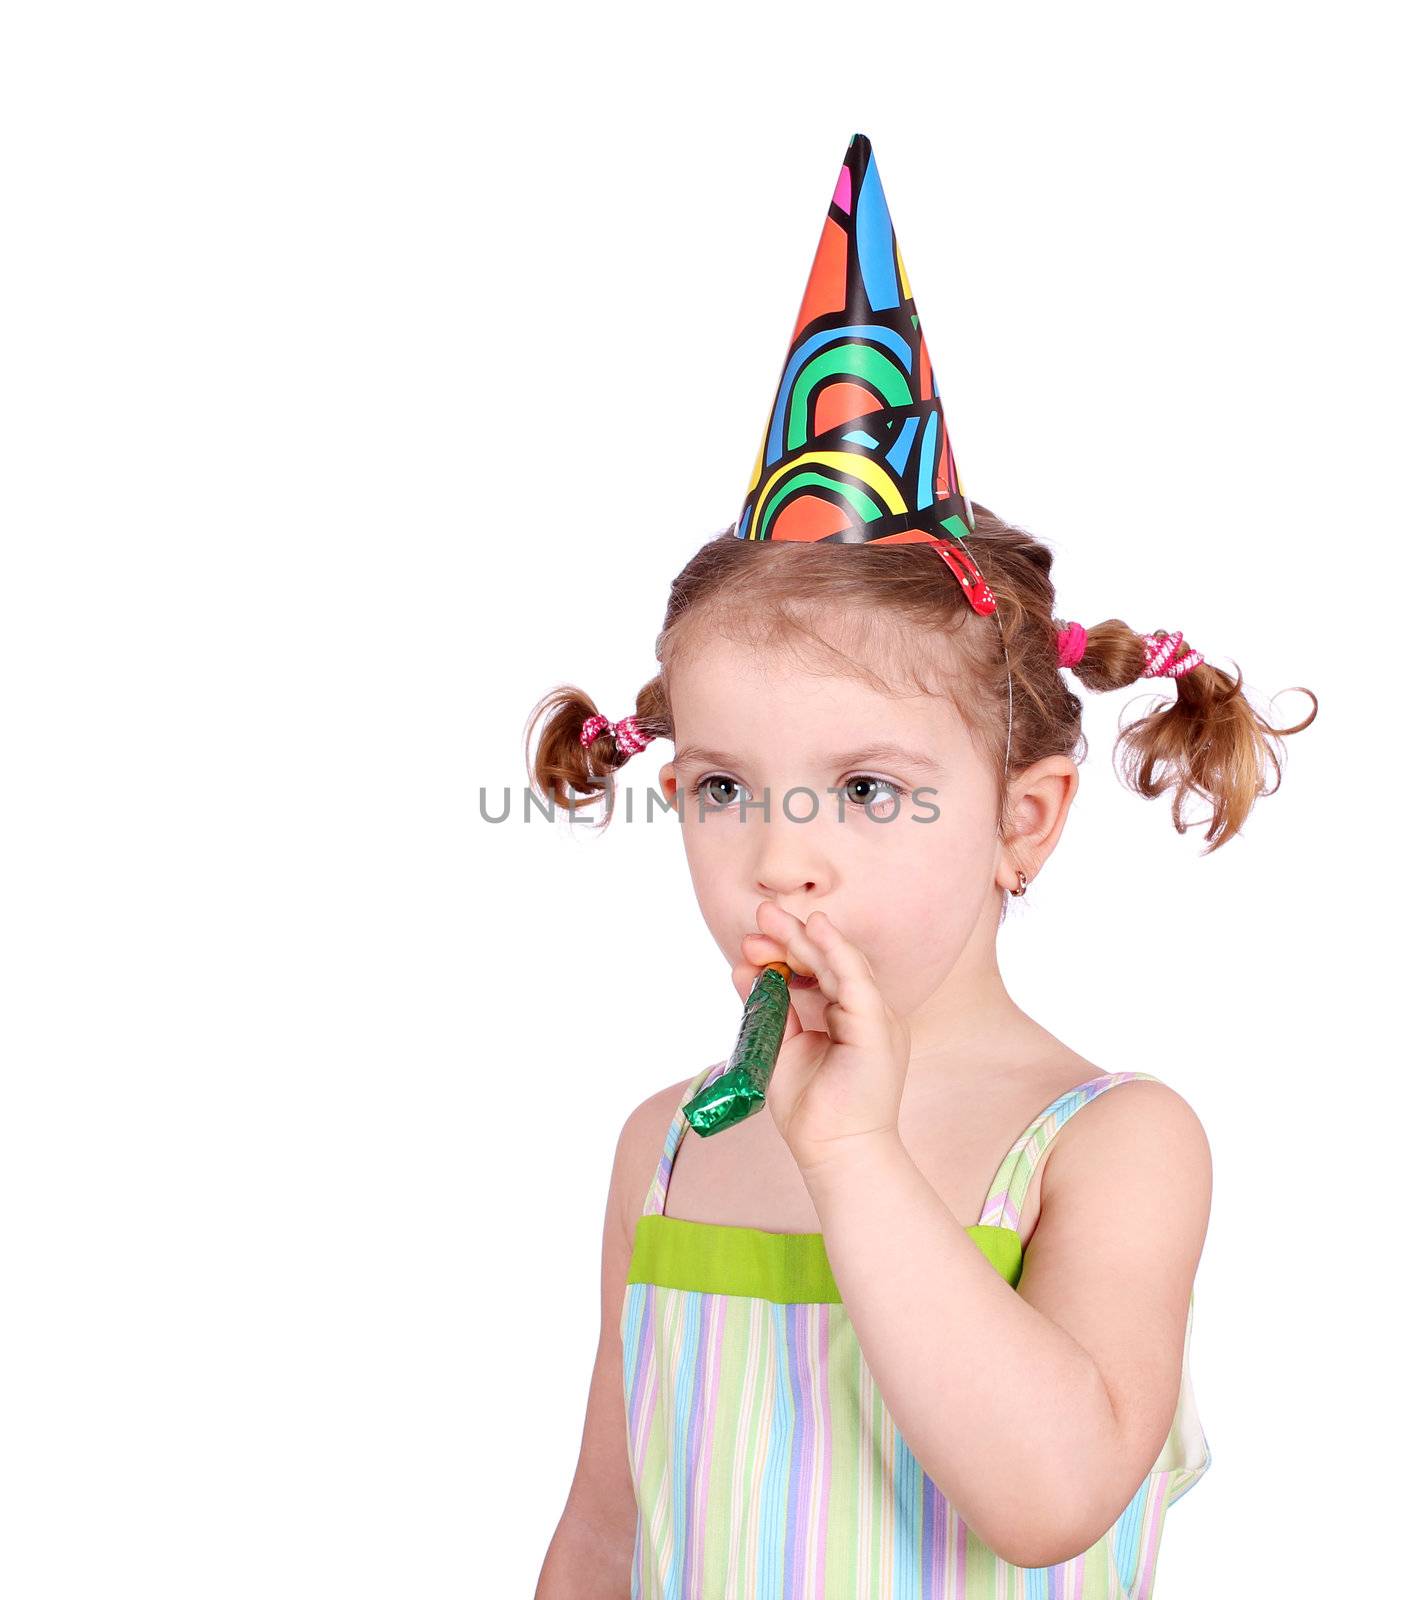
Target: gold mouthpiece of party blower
739 1091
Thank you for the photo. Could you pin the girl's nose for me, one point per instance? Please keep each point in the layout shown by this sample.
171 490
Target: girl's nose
791 857
778 886
792 866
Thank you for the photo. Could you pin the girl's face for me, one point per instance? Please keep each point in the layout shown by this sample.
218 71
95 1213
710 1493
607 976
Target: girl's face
896 837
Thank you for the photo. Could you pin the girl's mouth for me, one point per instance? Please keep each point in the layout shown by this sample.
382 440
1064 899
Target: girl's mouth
803 980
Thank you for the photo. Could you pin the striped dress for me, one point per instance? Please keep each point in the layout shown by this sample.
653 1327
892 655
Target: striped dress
764 1461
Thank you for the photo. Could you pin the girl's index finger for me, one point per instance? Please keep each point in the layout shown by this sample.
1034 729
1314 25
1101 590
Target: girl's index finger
849 966
787 931
842 970
821 928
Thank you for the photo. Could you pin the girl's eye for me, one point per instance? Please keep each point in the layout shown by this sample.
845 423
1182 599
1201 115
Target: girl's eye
878 786
864 790
712 785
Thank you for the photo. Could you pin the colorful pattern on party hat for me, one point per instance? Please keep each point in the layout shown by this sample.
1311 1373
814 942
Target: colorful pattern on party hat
856 449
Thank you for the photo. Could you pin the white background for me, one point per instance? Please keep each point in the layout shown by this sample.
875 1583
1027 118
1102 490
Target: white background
369 369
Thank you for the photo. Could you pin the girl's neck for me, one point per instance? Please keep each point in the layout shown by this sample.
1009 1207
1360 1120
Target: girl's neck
971 1024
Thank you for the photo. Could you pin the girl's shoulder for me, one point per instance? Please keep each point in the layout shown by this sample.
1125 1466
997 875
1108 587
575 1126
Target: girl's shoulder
1135 1136
1136 1096
1115 1102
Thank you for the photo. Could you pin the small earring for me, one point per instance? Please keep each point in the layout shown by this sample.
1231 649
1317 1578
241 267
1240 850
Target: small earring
1023 886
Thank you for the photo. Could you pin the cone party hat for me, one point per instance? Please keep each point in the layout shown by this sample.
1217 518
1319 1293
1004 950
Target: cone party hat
856 449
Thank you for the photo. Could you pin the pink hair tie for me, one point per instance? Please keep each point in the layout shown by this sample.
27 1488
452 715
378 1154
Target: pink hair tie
1072 641
1165 657
627 734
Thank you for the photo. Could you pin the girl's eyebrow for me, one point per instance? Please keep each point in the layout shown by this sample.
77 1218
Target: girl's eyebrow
849 758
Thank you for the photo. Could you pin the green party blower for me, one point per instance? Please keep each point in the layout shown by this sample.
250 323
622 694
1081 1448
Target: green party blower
739 1091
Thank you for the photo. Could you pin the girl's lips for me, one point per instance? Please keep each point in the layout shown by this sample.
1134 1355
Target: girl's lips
803 980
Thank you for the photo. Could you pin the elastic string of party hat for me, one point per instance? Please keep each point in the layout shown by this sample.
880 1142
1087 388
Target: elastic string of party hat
1164 656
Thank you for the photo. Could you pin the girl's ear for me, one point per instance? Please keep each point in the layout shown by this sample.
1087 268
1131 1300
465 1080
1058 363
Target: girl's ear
1041 798
667 779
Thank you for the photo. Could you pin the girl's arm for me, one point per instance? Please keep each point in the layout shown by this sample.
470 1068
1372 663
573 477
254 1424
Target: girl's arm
1037 1412
590 1554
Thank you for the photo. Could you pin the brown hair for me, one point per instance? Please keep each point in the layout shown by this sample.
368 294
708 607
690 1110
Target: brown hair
879 600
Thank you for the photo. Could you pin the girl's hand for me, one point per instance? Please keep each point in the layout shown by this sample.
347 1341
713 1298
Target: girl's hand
845 1085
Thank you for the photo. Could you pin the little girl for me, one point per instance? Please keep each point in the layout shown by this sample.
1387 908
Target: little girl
898 1337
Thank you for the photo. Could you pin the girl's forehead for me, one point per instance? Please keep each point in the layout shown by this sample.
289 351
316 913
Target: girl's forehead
799 644
752 700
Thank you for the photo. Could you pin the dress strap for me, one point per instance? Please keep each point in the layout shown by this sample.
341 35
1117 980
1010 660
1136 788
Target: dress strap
1005 1203
656 1195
